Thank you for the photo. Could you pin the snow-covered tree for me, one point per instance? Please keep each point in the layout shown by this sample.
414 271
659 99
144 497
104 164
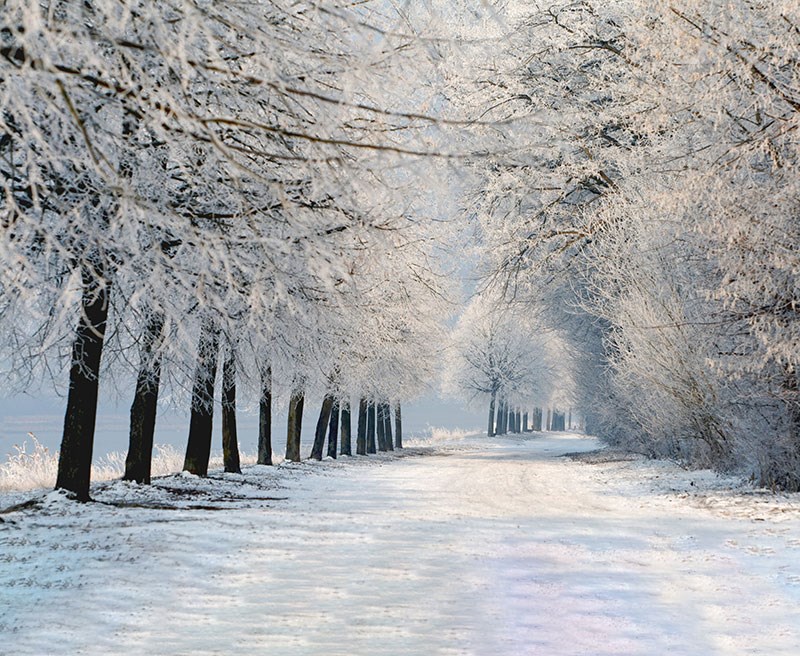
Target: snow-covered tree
188 167
499 354
647 203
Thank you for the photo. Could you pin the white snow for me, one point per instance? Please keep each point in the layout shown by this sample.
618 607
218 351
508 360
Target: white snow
489 547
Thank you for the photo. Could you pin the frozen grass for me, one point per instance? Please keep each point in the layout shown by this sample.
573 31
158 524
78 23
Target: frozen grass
29 471
37 469
439 434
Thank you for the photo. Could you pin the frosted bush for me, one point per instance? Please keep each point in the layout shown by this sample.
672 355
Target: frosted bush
38 468
437 434
28 471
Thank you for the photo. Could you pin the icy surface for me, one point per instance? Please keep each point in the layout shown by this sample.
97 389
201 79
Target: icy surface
490 547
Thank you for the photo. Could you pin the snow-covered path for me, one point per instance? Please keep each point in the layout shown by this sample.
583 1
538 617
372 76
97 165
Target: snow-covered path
491 548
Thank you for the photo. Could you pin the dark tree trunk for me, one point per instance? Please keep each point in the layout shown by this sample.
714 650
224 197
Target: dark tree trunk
77 441
230 438
294 426
549 419
380 427
138 463
322 427
498 424
387 431
490 430
398 427
371 427
198 447
347 448
517 421
333 430
361 435
525 422
145 404
265 419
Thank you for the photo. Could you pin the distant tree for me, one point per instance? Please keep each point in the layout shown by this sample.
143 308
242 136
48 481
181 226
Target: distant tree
500 355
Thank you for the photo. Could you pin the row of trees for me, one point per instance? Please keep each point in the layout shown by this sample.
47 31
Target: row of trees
185 182
516 420
647 207
502 354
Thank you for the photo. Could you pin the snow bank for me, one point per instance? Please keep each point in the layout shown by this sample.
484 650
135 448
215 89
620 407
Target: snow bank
502 548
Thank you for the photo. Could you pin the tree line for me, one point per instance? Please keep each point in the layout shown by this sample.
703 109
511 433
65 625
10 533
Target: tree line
644 207
259 184
187 184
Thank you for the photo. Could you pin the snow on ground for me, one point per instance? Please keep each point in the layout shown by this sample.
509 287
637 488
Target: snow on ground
486 547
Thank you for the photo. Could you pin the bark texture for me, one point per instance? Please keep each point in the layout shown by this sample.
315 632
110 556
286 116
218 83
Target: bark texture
361 435
77 441
387 430
198 447
294 426
490 429
346 447
380 427
230 437
322 427
265 419
371 447
333 430
398 426
138 463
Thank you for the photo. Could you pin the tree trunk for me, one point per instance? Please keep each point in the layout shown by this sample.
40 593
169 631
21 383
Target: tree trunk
387 431
322 427
549 420
265 419
361 435
490 432
380 427
398 427
230 438
138 463
346 449
198 447
294 426
517 421
525 422
77 441
498 424
371 427
333 430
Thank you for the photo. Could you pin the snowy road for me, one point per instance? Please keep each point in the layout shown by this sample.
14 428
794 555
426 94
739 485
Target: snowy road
497 548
